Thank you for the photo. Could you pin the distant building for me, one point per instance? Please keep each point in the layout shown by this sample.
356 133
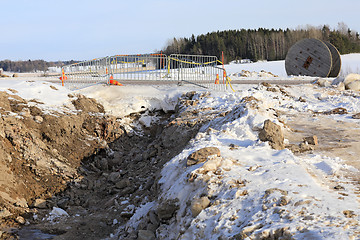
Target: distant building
1 71
241 61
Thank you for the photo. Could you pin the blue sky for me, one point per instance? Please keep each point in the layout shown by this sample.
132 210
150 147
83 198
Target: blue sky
86 29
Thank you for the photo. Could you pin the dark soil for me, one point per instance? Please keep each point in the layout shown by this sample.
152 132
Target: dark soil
86 163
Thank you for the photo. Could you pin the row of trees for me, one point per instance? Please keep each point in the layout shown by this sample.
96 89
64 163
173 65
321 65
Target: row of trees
30 66
262 44
254 44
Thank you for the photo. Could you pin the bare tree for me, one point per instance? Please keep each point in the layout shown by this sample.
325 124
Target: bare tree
342 28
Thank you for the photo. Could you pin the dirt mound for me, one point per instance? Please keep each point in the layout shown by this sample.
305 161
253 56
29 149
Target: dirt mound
106 181
40 152
83 163
87 104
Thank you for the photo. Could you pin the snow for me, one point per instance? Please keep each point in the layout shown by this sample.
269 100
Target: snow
57 213
350 63
273 170
45 95
121 101
143 210
147 120
258 189
275 67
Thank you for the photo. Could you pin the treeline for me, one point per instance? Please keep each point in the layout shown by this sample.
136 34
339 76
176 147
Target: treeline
253 44
262 44
31 65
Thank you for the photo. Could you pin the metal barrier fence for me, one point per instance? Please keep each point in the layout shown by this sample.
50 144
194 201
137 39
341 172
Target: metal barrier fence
199 70
83 74
138 67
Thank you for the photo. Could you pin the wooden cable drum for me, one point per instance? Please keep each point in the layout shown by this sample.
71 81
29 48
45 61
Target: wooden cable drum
313 57
336 60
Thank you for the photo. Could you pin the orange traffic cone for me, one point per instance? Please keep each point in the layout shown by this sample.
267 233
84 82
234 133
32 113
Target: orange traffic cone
217 79
114 82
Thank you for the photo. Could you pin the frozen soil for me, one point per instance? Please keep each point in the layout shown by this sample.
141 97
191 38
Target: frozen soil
99 169
336 138
118 179
89 164
41 153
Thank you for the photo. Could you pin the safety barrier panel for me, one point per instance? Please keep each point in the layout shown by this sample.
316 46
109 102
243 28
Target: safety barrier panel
138 67
83 74
199 70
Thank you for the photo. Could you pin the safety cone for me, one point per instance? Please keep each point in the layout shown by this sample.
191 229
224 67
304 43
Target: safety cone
114 82
217 79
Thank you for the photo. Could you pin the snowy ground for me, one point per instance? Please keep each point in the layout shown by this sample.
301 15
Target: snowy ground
254 179
256 191
247 195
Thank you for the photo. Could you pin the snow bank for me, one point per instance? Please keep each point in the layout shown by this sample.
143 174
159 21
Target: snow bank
45 95
49 94
121 101
258 191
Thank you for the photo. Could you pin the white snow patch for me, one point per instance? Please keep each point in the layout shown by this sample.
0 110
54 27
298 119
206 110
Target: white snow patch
121 101
139 213
57 213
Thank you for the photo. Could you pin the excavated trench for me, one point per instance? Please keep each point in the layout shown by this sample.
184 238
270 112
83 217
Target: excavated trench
117 180
81 176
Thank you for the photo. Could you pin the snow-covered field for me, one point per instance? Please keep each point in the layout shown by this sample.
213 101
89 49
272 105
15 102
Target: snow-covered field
255 191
